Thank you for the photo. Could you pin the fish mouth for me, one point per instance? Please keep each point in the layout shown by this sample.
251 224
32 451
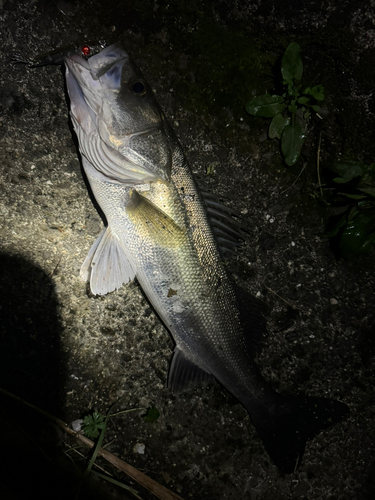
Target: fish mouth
122 138
101 62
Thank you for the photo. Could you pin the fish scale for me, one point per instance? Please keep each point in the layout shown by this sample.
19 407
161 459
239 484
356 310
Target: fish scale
160 233
202 287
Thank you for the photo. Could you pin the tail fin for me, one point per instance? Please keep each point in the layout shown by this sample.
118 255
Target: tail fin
291 422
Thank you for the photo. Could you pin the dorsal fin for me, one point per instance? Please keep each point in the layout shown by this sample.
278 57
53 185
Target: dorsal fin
214 201
228 231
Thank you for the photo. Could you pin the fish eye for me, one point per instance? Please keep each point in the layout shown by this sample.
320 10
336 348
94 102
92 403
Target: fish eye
139 89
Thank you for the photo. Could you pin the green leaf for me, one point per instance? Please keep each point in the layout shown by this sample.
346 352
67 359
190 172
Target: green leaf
316 108
294 91
292 141
366 204
353 196
293 108
367 190
368 244
306 115
336 229
347 170
152 414
277 125
93 424
317 92
265 105
291 63
353 213
371 170
366 179
340 180
358 237
303 100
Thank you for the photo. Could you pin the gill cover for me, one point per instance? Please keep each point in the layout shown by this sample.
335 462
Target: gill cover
121 130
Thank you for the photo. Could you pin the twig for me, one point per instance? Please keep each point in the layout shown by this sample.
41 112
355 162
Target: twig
153 486
126 411
99 443
70 448
299 175
54 271
117 483
107 476
281 298
157 489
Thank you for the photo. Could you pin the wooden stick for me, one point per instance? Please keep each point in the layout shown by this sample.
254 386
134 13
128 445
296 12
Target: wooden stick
153 486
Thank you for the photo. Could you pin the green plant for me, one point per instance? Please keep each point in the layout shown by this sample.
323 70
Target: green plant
290 111
93 424
354 228
152 414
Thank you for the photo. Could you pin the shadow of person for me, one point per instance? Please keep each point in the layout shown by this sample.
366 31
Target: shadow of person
31 364
32 368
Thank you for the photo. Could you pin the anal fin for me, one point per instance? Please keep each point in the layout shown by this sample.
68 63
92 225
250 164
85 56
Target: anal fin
183 372
106 265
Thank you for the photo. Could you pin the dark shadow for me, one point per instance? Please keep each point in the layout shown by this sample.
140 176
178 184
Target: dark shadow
32 368
31 364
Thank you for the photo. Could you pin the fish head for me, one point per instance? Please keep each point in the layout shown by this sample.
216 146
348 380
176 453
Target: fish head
121 130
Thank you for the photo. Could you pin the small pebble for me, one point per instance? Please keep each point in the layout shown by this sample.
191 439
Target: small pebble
139 448
77 424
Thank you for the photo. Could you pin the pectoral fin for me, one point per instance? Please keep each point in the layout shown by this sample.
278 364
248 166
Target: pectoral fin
152 222
106 265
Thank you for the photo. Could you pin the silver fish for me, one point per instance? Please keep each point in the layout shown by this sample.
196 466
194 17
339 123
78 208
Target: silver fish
159 231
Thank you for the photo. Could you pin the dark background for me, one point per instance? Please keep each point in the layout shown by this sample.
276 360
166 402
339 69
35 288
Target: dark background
69 352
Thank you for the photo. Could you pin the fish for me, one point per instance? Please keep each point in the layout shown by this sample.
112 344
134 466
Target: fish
160 230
